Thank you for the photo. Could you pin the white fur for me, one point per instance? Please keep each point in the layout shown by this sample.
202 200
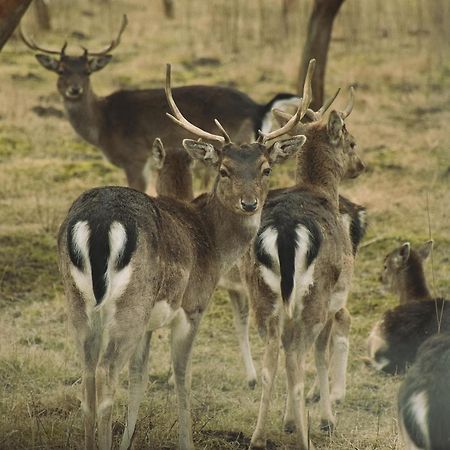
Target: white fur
362 216
82 279
268 122
338 301
418 408
116 281
346 221
180 325
409 444
269 244
162 313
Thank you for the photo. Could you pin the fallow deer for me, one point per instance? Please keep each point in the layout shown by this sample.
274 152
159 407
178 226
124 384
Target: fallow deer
424 397
124 124
394 340
298 274
131 264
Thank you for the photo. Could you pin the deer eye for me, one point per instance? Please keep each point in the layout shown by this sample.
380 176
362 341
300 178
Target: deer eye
223 173
266 172
352 145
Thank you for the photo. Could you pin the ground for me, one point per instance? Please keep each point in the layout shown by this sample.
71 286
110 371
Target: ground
395 54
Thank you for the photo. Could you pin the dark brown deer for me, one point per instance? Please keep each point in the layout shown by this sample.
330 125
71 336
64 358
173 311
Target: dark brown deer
298 274
424 397
131 264
124 125
394 340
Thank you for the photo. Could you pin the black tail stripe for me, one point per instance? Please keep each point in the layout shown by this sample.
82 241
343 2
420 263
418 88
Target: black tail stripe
98 255
287 245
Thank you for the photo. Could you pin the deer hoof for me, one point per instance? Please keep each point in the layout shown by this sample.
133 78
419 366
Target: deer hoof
289 427
326 425
252 384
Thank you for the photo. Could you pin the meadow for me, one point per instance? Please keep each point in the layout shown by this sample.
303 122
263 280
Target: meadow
395 53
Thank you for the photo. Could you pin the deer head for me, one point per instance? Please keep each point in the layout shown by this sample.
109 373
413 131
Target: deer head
74 71
242 170
333 133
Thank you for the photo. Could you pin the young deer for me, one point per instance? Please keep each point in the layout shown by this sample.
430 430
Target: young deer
124 124
131 264
424 397
299 272
394 340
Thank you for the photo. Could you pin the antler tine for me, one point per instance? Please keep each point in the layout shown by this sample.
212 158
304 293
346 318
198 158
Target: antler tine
222 129
318 114
301 110
179 119
115 42
351 102
32 45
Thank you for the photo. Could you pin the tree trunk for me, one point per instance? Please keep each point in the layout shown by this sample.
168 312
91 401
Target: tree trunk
169 8
42 14
11 11
316 46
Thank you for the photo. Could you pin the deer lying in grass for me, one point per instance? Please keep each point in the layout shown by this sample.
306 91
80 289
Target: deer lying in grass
394 341
424 397
131 264
299 272
124 124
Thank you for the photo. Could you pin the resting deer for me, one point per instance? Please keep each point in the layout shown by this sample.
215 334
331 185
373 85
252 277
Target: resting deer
131 264
394 340
424 397
299 272
124 124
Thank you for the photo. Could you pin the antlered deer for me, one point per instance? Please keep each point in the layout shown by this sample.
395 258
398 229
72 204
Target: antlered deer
394 340
124 124
298 274
131 264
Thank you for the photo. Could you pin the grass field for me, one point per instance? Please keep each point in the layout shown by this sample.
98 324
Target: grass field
395 53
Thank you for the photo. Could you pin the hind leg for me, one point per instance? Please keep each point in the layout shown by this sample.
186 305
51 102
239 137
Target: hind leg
138 370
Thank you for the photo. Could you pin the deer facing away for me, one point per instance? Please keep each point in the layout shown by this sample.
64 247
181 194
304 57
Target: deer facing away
424 397
299 272
394 340
125 274
124 124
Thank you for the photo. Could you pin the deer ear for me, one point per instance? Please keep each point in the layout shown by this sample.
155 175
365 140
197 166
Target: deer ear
98 62
48 62
404 252
158 153
334 127
425 251
282 150
201 151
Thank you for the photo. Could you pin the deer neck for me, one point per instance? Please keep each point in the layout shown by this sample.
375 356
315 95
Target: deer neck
85 116
232 232
318 168
413 286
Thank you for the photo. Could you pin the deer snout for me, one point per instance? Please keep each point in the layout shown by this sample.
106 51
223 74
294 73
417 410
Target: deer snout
74 91
249 205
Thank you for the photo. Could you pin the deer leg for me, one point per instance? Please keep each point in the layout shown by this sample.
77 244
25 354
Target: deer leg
339 354
270 363
295 417
321 358
138 370
184 330
240 306
118 351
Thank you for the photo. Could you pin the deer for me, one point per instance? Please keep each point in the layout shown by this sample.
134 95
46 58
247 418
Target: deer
395 339
126 275
124 124
299 270
424 397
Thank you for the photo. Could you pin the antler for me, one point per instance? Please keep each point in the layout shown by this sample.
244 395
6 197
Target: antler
115 42
351 102
301 110
33 46
317 115
179 119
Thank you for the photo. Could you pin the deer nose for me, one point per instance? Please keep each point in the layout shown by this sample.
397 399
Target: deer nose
361 166
249 205
74 91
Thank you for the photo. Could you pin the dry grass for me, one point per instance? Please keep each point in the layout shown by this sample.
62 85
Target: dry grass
395 52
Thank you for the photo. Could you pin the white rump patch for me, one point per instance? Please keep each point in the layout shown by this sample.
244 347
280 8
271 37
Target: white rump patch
346 221
80 239
362 216
116 280
268 240
284 104
418 408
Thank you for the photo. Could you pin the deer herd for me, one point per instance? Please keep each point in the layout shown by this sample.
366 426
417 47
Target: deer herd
132 263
